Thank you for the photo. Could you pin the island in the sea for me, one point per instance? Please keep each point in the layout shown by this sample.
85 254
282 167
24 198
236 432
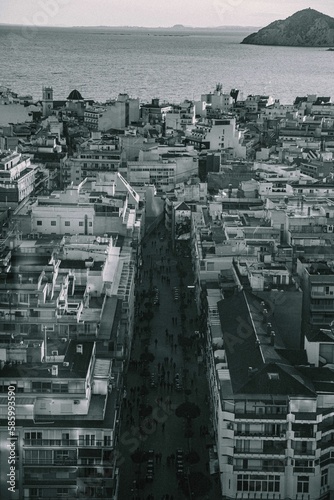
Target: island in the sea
305 28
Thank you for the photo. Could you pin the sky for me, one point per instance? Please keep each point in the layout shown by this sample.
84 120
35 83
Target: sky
154 13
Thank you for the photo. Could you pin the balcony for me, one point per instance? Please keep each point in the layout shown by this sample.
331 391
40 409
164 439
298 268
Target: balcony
262 434
267 450
50 461
263 468
304 452
306 470
65 442
28 481
326 425
305 417
278 417
327 444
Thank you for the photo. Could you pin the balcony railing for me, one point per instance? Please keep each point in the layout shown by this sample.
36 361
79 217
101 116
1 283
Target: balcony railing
261 416
306 470
65 442
304 452
51 461
270 450
39 482
264 468
242 434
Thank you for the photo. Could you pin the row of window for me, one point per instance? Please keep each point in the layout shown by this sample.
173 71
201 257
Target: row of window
67 223
262 483
258 483
87 439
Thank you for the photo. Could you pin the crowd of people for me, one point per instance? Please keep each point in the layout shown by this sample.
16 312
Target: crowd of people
166 368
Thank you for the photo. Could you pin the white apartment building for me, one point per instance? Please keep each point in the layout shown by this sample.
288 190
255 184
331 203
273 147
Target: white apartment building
17 177
116 114
219 134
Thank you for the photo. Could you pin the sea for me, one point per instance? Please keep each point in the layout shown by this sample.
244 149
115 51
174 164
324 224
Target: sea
172 65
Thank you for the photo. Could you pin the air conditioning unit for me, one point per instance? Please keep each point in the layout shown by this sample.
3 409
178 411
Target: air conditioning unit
66 363
54 353
76 401
64 339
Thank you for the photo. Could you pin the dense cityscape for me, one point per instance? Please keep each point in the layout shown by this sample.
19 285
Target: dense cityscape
166 297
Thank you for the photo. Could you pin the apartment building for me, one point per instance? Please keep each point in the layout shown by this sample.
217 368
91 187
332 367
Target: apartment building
220 134
155 112
66 317
67 413
181 116
17 177
164 167
317 282
99 208
271 407
115 114
92 158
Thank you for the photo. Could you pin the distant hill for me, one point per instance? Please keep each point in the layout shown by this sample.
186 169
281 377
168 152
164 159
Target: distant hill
306 28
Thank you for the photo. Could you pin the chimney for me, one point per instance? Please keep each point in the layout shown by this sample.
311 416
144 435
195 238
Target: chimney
250 370
268 328
54 370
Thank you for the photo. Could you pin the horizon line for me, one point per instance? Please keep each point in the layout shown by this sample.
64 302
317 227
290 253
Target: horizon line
175 26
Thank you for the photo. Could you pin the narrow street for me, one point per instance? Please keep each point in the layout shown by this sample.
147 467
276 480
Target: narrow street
164 371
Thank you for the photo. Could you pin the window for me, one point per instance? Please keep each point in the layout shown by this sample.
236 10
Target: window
90 224
107 441
24 298
53 223
39 223
303 484
80 224
257 482
324 477
62 491
38 456
41 387
32 435
67 223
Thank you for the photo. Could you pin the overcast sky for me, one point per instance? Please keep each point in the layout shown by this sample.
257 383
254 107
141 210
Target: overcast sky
153 13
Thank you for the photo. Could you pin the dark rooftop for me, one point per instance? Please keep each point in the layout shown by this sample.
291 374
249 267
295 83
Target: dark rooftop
75 96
